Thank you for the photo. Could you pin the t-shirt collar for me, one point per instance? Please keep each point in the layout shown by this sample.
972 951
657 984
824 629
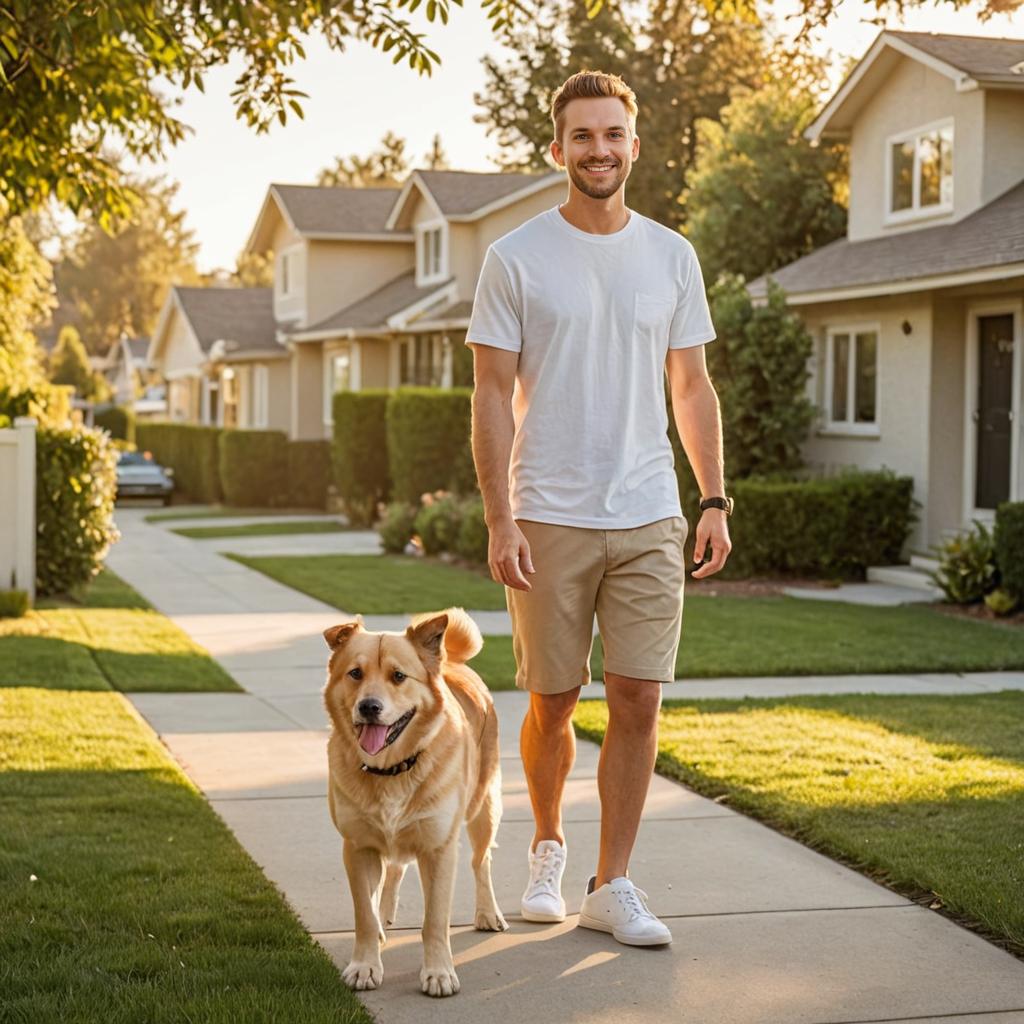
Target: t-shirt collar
590 236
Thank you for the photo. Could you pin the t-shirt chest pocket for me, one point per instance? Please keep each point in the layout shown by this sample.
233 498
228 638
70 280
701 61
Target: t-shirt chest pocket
652 315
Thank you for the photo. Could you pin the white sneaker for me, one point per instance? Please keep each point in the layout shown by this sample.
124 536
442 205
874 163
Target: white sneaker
542 900
621 908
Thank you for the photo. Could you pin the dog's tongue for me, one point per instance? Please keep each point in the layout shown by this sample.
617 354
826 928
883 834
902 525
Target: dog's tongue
372 738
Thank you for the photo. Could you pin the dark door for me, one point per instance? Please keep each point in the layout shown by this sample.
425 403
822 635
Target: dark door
994 410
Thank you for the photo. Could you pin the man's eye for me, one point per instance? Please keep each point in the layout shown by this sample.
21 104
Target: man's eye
356 673
399 676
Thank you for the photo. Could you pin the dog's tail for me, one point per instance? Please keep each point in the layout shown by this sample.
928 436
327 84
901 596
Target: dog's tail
462 639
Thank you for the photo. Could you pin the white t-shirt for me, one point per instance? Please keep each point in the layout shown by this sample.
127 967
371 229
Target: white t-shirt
592 317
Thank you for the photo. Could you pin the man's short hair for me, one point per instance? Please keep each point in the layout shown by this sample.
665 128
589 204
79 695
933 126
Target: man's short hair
591 85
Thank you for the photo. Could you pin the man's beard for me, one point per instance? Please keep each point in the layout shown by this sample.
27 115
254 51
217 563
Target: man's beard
599 188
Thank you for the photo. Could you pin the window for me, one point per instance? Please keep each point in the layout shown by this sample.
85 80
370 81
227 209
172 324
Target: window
431 253
422 360
260 396
286 286
852 378
339 375
921 171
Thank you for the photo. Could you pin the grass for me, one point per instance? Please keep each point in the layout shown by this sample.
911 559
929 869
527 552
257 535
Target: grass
262 529
110 639
382 584
221 512
923 793
125 897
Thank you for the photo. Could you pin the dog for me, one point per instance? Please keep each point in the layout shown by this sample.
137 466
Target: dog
413 752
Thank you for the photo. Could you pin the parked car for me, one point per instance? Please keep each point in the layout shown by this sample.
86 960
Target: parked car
140 476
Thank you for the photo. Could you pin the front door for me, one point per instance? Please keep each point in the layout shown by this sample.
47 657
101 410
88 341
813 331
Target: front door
994 411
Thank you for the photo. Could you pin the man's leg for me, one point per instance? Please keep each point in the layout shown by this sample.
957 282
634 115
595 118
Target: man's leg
548 747
624 771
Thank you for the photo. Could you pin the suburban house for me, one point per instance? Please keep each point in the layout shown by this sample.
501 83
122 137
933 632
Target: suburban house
917 313
372 289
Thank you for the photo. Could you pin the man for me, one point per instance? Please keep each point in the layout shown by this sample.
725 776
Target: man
578 314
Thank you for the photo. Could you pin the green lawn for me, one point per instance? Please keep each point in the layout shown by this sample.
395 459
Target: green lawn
125 898
263 529
222 512
112 640
923 793
382 584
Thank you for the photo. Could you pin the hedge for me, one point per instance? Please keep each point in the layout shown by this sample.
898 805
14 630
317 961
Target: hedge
118 421
309 473
76 483
254 467
428 442
191 450
359 452
1009 543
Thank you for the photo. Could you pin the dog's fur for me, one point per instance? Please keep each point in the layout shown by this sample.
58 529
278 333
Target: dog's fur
388 820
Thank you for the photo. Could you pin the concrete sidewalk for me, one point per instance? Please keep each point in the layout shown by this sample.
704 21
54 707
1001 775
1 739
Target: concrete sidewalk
766 930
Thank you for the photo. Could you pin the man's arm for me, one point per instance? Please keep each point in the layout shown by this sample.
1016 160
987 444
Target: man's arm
493 428
699 422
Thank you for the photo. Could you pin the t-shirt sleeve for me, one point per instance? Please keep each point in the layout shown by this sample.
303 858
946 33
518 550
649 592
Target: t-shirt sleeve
496 318
691 324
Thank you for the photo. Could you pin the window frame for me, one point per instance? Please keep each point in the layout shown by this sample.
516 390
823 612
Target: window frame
849 426
916 211
426 272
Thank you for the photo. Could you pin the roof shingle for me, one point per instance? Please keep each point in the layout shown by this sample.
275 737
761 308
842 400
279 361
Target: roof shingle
979 57
316 209
243 316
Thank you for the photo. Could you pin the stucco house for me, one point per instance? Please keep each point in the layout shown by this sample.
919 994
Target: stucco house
372 288
916 314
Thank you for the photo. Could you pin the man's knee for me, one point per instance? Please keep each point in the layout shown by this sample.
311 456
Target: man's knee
640 699
553 710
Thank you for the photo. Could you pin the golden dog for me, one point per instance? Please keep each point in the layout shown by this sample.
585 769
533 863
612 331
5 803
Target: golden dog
413 752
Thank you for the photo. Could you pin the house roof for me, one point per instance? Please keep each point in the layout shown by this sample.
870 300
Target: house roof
373 310
329 210
241 317
991 237
971 62
138 347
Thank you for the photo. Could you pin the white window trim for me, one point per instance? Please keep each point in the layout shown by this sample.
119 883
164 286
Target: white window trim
260 401
916 211
286 254
421 234
848 427
354 371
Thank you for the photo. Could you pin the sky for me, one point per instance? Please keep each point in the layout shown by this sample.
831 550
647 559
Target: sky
223 168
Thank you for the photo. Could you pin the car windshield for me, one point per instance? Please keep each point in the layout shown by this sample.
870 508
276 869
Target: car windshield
133 459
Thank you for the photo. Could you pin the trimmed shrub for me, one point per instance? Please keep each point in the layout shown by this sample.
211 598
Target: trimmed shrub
396 526
428 442
437 522
76 482
254 467
193 453
359 452
13 603
118 421
1009 546
473 538
309 473
967 566
832 526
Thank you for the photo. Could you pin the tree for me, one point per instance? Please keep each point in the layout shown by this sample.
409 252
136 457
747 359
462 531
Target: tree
436 158
385 166
681 68
114 284
69 364
26 297
760 194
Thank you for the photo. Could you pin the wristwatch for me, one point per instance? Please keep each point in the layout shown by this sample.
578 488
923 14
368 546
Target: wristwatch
722 503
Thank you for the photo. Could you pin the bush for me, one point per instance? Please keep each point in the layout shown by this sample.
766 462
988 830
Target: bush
474 536
118 421
967 566
396 526
437 522
254 467
48 404
359 452
309 473
76 482
13 603
1009 546
1001 601
833 526
428 442
193 453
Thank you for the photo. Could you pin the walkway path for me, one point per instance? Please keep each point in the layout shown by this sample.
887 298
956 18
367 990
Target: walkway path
766 931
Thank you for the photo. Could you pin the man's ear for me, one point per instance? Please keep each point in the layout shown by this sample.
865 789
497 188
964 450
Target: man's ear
556 154
427 636
338 636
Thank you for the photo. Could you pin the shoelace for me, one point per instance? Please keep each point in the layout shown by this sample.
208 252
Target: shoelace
542 872
638 907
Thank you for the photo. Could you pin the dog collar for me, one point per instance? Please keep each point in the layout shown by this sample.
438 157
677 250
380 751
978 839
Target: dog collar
395 769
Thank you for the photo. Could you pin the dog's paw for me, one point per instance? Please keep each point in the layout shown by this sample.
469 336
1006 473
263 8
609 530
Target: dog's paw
439 981
490 921
359 974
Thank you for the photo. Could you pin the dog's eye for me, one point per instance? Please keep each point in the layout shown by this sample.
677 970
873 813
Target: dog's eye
356 673
399 676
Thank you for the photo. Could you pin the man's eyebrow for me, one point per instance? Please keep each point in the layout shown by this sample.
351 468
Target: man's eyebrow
613 128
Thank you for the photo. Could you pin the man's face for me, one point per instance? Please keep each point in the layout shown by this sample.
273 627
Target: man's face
597 147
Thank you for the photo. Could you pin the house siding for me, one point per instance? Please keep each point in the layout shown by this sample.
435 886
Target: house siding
1003 165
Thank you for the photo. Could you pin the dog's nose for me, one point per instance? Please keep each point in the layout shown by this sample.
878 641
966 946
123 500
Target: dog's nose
370 707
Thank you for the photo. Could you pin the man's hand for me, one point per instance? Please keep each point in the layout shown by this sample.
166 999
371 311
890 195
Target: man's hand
508 555
711 529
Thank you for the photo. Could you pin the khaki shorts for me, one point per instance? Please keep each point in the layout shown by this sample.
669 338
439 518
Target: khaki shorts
632 579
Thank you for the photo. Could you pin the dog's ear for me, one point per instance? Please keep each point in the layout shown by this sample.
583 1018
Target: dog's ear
427 635
338 636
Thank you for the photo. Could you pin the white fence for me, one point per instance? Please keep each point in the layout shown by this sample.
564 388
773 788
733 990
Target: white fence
18 506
